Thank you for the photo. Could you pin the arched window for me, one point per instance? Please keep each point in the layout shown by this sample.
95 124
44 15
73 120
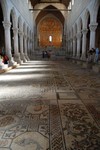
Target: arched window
50 38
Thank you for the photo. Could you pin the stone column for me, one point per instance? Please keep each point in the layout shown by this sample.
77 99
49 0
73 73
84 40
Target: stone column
21 46
84 32
28 48
7 26
78 44
93 27
74 45
16 53
68 47
31 47
71 40
32 43
25 46
35 41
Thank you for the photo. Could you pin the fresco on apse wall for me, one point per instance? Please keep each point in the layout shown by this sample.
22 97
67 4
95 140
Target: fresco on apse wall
50 26
50 1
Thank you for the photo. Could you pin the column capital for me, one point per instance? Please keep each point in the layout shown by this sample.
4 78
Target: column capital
93 26
6 24
84 31
15 30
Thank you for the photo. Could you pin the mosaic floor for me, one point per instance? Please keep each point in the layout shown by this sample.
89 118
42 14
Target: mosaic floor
49 105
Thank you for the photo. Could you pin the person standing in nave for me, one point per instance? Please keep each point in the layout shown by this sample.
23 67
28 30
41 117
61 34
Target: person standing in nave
97 52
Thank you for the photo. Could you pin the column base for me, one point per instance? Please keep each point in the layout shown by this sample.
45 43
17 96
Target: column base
17 58
11 62
83 58
23 57
26 56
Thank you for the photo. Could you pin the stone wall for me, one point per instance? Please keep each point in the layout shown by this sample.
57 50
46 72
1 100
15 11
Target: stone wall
77 10
21 7
82 27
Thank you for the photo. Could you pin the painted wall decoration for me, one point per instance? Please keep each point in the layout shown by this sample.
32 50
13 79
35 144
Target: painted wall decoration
50 1
50 32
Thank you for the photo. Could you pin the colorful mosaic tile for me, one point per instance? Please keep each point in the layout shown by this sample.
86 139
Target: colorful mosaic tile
49 105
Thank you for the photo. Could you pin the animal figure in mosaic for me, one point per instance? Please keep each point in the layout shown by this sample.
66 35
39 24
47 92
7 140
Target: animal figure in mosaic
25 142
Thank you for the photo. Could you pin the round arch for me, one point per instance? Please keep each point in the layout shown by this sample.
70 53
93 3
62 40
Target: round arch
13 29
95 7
2 37
80 28
75 34
5 10
97 44
88 20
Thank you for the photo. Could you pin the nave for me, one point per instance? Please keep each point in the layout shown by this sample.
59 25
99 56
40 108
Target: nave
49 105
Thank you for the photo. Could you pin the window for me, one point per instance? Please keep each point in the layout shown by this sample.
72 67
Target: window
50 38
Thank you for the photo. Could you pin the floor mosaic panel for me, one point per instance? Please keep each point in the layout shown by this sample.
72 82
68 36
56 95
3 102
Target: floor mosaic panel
49 105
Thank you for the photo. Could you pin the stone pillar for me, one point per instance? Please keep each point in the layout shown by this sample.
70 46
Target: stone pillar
78 44
84 32
93 27
25 46
32 43
71 47
68 48
16 53
7 26
31 47
28 48
35 41
21 46
74 45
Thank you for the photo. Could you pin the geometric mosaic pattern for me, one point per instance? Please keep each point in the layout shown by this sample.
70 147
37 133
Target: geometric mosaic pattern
49 105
